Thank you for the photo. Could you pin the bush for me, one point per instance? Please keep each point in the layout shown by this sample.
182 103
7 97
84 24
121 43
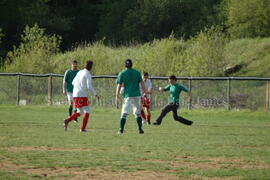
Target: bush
205 53
34 52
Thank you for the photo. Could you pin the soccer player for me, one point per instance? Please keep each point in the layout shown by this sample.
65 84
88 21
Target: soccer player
145 100
175 90
68 87
82 84
131 79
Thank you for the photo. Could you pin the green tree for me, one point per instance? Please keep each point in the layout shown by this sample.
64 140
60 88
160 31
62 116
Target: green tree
248 18
34 52
205 53
151 19
113 14
1 36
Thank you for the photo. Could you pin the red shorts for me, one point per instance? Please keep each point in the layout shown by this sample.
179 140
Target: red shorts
81 101
145 102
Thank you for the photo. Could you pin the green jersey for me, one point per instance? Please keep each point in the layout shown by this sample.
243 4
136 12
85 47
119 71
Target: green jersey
175 91
67 81
130 79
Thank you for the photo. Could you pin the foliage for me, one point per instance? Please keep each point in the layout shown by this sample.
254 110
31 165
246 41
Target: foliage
252 53
34 51
205 53
208 53
1 36
145 20
248 18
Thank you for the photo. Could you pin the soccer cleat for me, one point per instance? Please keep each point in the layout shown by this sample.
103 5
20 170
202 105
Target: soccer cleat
83 130
120 132
141 131
144 121
156 123
76 120
65 124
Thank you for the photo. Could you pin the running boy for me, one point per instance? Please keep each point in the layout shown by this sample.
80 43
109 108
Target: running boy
175 90
82 84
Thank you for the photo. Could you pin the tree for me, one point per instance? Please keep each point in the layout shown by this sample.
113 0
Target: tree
248 18
34 52
205 53
146 20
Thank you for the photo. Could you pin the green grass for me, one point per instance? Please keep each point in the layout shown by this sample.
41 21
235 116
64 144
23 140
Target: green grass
220 144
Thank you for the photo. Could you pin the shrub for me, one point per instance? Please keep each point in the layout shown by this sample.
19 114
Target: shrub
34 52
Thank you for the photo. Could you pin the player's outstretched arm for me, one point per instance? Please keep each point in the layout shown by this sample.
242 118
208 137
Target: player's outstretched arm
118 87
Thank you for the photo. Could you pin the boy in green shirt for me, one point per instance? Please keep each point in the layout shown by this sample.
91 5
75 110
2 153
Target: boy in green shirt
68 87
175 90
130 79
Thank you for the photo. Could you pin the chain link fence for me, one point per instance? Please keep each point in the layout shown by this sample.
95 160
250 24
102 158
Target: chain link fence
206 92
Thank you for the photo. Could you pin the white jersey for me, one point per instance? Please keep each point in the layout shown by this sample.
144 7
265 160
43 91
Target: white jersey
148 86
82 84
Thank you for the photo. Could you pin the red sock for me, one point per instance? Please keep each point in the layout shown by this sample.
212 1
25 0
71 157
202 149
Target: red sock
85 121
73 116
142 114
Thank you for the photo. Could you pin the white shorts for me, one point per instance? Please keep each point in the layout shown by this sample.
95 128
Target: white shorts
70 96
133 103
84 109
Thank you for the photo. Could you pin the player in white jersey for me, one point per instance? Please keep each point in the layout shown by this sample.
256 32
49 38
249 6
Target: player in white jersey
82 84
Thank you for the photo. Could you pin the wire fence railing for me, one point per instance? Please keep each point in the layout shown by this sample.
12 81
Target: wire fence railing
206 92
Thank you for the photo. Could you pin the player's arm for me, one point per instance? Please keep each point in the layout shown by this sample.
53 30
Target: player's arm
90 86
185 89
119 82
149 90
118 88
166 88
65 83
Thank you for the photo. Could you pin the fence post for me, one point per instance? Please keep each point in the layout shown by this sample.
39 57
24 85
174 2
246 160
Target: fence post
18 89
190 95
50 90
228 94
267 97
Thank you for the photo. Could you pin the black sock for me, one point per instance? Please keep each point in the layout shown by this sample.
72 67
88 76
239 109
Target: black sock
139 122
70 110
122 124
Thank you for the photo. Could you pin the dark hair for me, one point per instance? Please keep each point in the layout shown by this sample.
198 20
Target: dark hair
173 77
88 65
145 73
128 63
74 62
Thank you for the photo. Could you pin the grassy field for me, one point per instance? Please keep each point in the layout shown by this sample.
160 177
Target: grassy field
220 145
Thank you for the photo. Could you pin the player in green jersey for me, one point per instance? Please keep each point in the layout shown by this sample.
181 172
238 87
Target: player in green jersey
68 87
131 79
175 90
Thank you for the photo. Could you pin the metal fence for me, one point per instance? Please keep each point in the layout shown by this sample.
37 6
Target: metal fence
206 92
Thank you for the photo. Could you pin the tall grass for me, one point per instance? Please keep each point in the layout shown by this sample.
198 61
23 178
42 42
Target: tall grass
208 53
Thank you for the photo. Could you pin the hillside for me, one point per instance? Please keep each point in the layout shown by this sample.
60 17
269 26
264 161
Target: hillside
252 54
204 55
